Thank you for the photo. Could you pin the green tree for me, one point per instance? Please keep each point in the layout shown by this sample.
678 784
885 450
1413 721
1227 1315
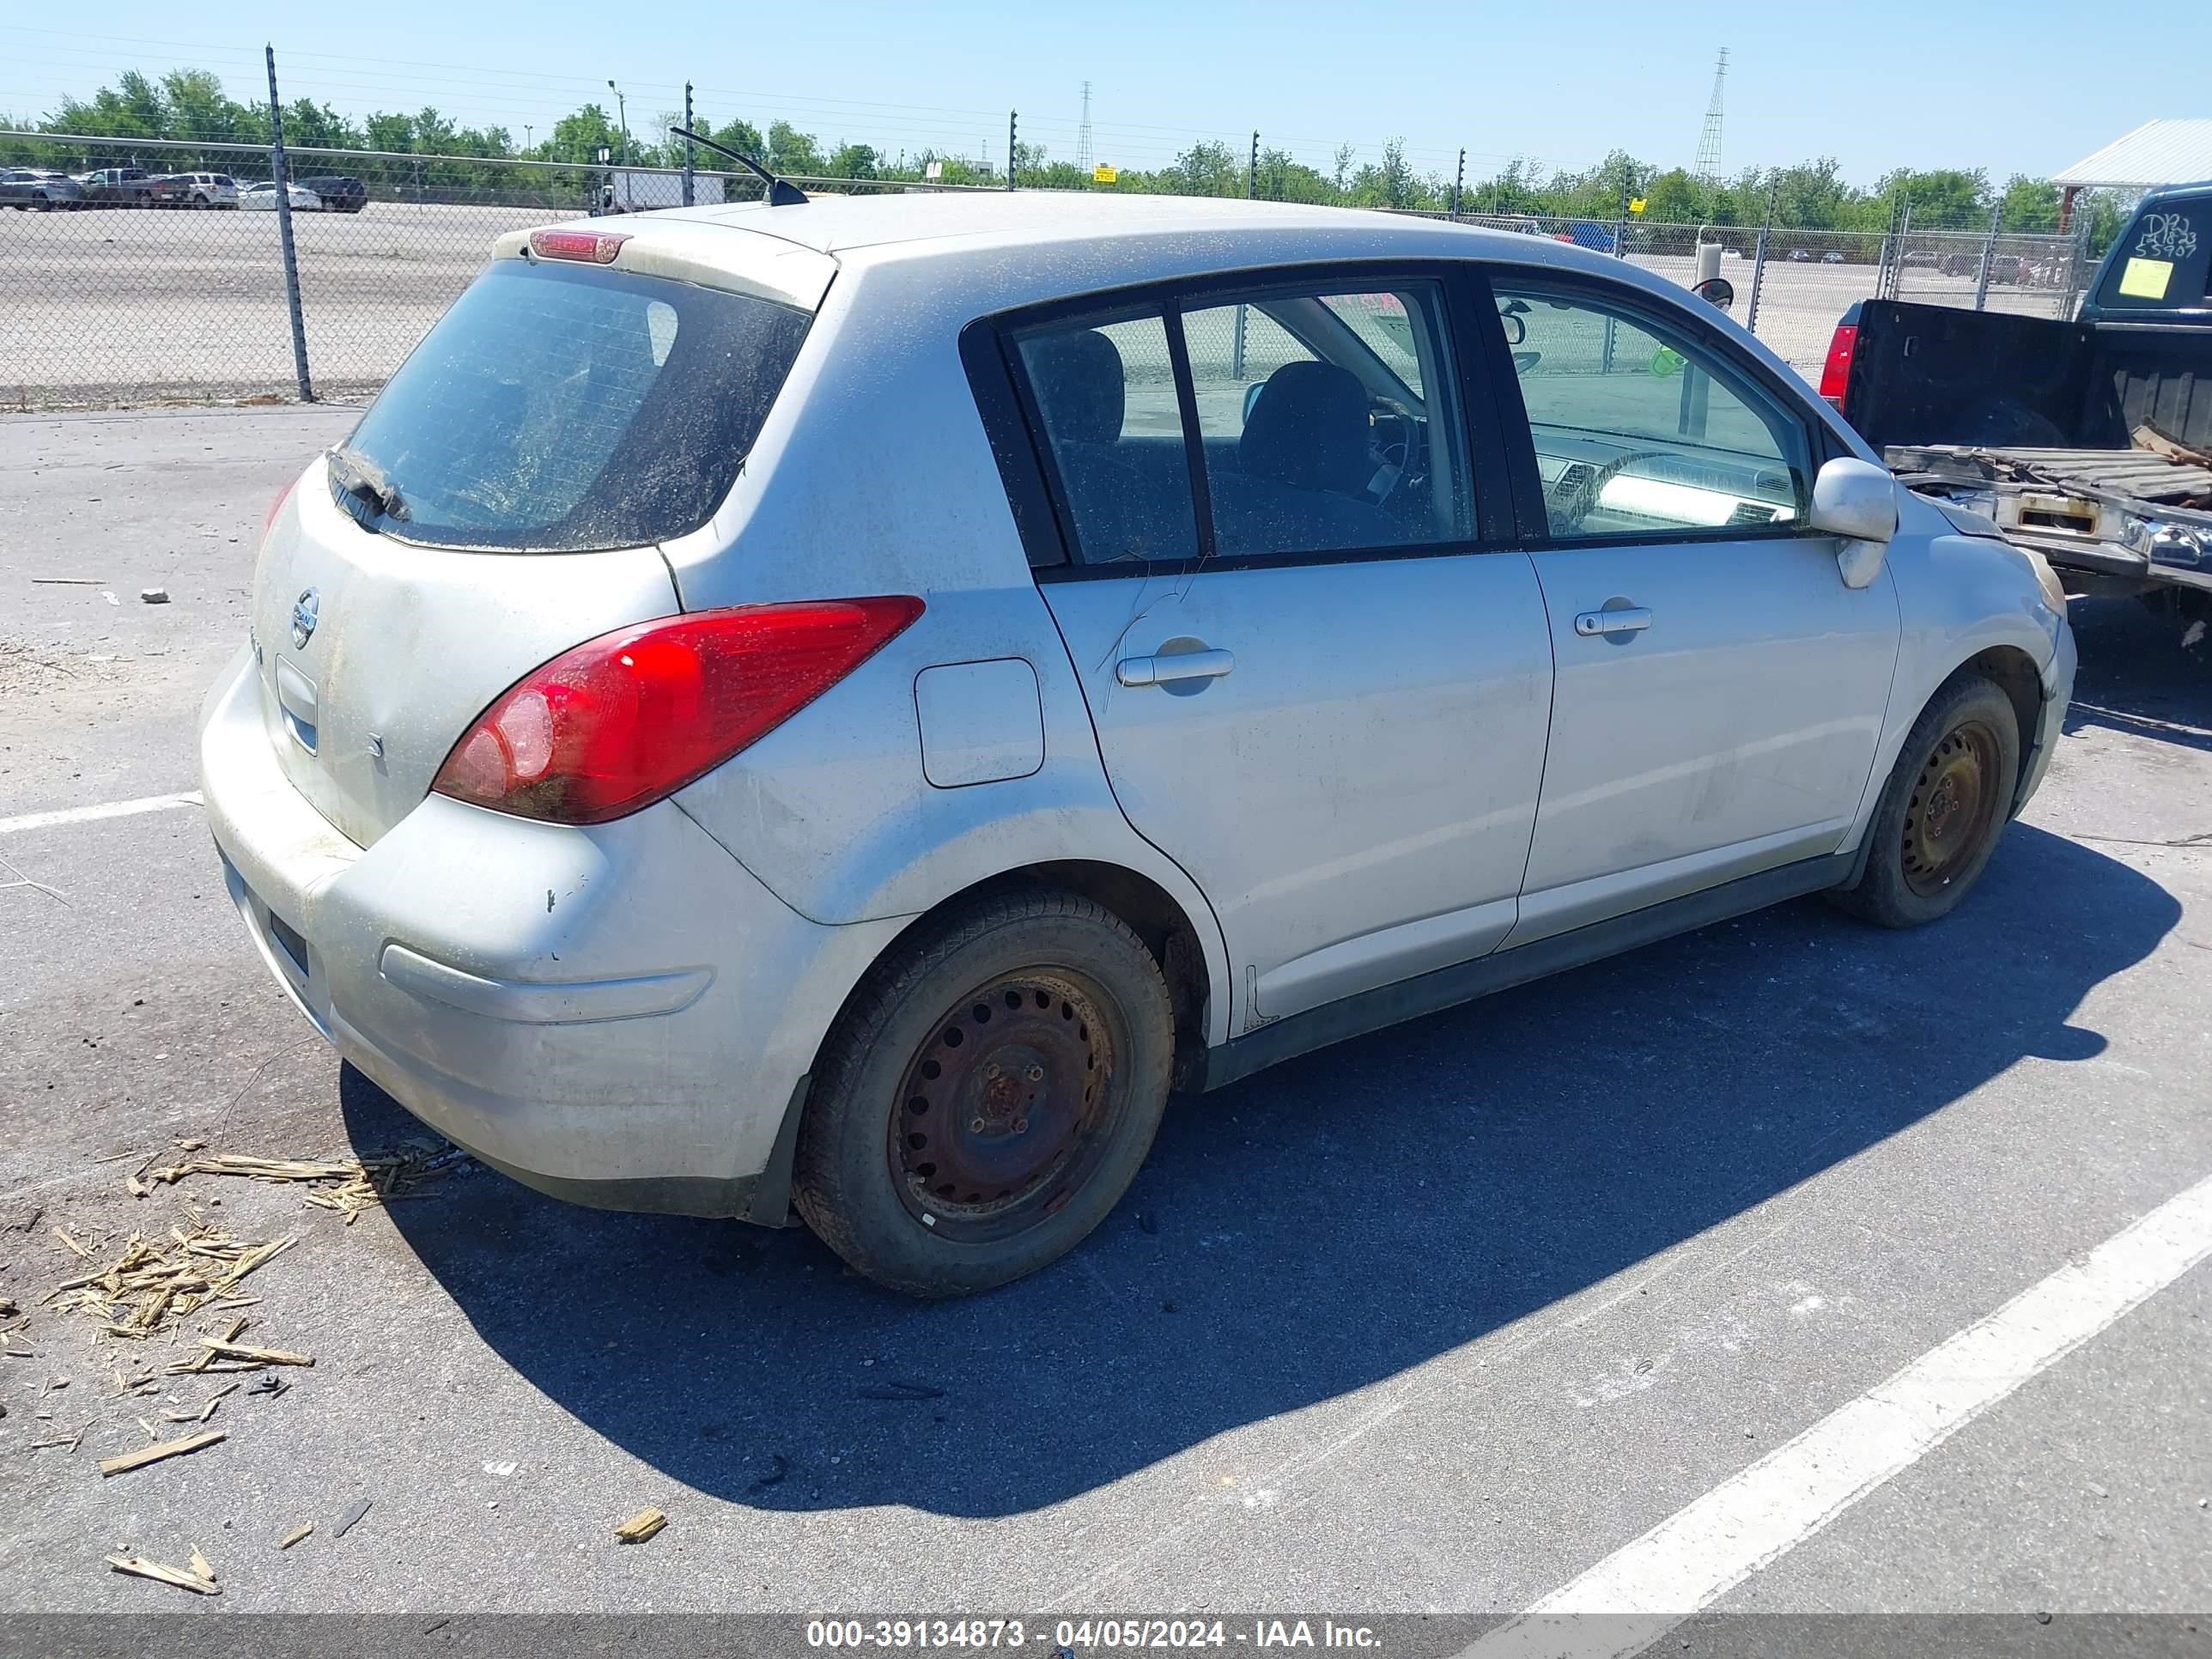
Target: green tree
791 151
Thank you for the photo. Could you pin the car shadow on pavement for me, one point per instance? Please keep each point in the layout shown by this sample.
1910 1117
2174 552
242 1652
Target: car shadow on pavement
1309 1231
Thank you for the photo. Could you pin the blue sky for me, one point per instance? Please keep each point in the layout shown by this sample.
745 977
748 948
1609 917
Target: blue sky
2026 87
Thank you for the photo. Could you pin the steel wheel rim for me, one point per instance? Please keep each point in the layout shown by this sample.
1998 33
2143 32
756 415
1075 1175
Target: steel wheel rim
1953 804
1009 1107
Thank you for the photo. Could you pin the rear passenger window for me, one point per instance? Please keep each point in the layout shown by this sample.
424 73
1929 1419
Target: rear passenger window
1326 419
1317 432
1105 394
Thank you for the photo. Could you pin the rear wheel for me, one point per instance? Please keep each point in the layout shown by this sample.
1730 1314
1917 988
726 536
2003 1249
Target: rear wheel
988 1097
1946 803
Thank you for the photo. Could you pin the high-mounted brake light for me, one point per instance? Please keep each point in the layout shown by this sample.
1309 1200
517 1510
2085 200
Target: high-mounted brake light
1836 372
627 718
595 248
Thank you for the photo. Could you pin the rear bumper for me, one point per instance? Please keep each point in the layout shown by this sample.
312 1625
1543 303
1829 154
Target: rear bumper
620 1015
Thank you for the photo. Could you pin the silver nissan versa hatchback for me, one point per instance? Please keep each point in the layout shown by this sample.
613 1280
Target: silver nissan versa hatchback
841 706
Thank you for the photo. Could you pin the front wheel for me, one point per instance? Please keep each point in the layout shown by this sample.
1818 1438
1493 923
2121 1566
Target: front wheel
1946 803
988 1095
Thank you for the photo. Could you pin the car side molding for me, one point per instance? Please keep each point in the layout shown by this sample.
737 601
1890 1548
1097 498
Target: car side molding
1446 987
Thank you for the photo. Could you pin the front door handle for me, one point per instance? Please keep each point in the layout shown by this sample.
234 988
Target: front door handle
1594 624
1166 670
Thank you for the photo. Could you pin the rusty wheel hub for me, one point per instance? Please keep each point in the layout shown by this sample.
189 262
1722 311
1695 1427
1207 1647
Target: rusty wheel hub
1002 1114
1954 801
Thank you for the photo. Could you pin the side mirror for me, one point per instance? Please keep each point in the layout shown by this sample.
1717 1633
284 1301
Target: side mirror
1857 501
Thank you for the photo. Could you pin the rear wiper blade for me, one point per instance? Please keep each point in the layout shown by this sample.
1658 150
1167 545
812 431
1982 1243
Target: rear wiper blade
363 478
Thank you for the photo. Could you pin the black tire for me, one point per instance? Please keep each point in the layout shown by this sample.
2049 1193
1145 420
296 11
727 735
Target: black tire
1947 802
1061 1012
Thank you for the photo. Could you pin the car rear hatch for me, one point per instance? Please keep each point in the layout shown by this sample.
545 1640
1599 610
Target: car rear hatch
504 499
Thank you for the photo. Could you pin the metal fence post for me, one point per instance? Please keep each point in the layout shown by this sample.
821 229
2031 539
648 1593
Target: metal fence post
1252 168
281 181
1903 236
1989 258
1012 115
1758 262
687 145
1459 185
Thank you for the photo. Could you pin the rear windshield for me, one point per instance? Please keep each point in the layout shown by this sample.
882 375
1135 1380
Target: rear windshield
2164 261
562 408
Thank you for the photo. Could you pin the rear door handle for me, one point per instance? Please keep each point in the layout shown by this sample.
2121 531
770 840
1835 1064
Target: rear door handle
1166 670
1591 624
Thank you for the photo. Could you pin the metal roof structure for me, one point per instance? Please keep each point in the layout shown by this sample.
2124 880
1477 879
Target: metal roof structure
2169 152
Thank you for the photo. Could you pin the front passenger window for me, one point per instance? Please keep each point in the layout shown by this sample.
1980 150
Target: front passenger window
1641 429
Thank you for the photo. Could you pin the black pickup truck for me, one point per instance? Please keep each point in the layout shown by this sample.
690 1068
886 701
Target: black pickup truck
2089 440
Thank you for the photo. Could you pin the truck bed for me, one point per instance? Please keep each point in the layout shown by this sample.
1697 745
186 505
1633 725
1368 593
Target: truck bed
2088 443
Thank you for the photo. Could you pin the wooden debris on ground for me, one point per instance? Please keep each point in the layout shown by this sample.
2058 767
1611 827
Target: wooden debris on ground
84 1250
154 1282
206 1411
125 1462
70 1439
641 1526
259 1356
199 1583
295 1534
346 1185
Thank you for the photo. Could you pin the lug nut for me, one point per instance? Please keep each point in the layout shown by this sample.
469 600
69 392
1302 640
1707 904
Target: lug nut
990 1070
976 1124
1021 1126
1036 1073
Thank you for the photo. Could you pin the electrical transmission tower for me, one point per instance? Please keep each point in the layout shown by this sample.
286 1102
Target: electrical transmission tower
1082 137
1709 143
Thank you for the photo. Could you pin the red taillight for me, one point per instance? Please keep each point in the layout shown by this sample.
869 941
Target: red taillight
624 719
1836 372
596 247
274 508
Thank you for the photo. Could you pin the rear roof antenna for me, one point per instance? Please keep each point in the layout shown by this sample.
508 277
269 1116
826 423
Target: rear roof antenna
781 192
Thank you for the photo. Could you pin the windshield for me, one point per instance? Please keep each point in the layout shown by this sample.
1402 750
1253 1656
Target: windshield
565 407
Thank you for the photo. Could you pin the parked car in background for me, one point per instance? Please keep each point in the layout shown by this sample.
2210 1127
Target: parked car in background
338 192
261 198
196 189
117 187
1834 256
1799 256
876 786
39 189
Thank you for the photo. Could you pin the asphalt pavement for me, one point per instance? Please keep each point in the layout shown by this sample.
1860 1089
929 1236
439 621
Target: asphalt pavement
1442 1320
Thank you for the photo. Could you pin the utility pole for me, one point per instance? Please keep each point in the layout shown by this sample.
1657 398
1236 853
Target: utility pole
1252 168
1459 185
622 121
687 145
1084 161
1012 115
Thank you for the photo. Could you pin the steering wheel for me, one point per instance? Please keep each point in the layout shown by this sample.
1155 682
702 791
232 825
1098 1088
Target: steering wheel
1397 460
1571 506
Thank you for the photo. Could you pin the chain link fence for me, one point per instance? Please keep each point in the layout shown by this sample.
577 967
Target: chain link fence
135 293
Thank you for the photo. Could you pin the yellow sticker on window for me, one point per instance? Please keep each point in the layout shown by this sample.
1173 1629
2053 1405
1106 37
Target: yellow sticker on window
2146 279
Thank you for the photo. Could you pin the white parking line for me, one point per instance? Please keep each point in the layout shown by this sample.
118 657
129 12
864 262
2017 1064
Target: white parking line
1699 1553
114 808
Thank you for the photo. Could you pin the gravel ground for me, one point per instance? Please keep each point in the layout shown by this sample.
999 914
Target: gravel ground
1433 1321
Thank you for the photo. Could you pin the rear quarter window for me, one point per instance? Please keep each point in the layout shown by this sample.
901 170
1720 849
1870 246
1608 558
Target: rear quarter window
567 409
2164 261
